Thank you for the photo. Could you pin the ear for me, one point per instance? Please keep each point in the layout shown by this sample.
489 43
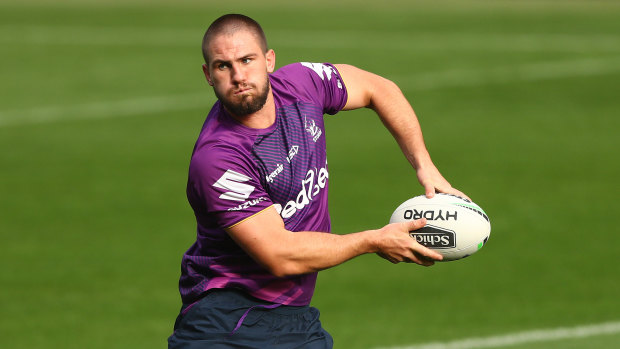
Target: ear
205 70
271 61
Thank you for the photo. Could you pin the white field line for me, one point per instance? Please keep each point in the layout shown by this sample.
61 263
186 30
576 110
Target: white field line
419 81
98 36
504 74
102 110
415 42
511 339
175 37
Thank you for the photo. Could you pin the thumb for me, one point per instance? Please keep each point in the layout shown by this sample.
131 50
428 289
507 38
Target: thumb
416 224
430 190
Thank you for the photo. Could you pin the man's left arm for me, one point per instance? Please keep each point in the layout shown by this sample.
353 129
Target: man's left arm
368 90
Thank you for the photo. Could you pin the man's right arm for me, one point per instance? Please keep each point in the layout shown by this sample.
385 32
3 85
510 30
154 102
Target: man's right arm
368 90
284 253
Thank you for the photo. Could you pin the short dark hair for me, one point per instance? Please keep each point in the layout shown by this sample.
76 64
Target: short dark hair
231 23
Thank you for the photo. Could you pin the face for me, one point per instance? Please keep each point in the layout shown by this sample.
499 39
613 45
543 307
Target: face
238 71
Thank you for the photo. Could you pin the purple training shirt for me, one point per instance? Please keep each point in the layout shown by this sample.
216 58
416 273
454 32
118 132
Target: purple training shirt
236 172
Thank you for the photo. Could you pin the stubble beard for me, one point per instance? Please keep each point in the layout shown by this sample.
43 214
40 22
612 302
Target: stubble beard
249 104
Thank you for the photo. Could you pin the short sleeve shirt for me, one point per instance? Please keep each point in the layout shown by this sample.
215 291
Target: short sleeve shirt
236 172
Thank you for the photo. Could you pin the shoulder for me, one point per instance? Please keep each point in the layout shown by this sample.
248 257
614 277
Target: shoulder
317 83
222 174
221 145
301 71
214 156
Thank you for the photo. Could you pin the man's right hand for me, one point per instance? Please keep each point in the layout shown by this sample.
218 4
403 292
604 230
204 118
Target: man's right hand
396 245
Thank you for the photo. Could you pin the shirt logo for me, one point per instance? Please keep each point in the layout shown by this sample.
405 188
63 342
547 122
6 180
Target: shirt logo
233 183
292 152
248 204
312 129
311 186
322 70
275 173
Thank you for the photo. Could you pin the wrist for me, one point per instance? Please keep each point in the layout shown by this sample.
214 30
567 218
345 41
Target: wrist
421 161
371 241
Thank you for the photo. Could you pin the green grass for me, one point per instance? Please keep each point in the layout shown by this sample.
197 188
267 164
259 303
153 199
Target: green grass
518 102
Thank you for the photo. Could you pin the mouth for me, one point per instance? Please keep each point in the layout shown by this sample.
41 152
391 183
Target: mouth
242 90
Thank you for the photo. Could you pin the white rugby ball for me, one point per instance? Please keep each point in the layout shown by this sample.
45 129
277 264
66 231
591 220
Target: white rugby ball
455 227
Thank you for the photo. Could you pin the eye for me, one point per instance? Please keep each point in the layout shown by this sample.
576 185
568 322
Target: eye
246 60
222 66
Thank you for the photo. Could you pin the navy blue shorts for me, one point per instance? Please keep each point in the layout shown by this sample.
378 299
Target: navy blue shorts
232 319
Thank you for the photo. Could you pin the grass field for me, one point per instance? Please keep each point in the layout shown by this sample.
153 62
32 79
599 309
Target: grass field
101 102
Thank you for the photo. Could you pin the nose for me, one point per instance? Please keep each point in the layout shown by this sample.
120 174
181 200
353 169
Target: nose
238 74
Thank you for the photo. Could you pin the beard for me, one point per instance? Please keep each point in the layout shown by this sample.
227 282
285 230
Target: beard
249 104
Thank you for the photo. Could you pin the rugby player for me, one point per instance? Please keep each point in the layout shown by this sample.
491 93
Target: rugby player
258 183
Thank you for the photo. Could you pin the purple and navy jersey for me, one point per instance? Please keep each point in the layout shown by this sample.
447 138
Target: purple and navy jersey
236 172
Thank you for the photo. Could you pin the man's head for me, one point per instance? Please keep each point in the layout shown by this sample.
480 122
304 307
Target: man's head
237 63
229 24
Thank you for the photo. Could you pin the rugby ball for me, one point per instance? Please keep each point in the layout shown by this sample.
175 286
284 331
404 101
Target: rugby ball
455 228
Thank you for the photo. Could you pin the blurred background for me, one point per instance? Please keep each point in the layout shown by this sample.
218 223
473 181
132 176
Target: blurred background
101 102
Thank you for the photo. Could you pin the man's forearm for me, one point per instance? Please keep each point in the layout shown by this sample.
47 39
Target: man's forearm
307 252
286 253
399 118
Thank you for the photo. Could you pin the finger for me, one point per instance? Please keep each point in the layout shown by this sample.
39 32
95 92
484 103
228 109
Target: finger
417 247
425 252
430 254
456 192
430 190
421 260
387 258
461 194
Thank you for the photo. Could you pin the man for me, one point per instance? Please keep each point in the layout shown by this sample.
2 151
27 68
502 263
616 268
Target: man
258 182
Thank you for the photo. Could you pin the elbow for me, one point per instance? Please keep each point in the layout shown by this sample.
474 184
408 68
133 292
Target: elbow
391 88
383 90
388 84
283 269
281 272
